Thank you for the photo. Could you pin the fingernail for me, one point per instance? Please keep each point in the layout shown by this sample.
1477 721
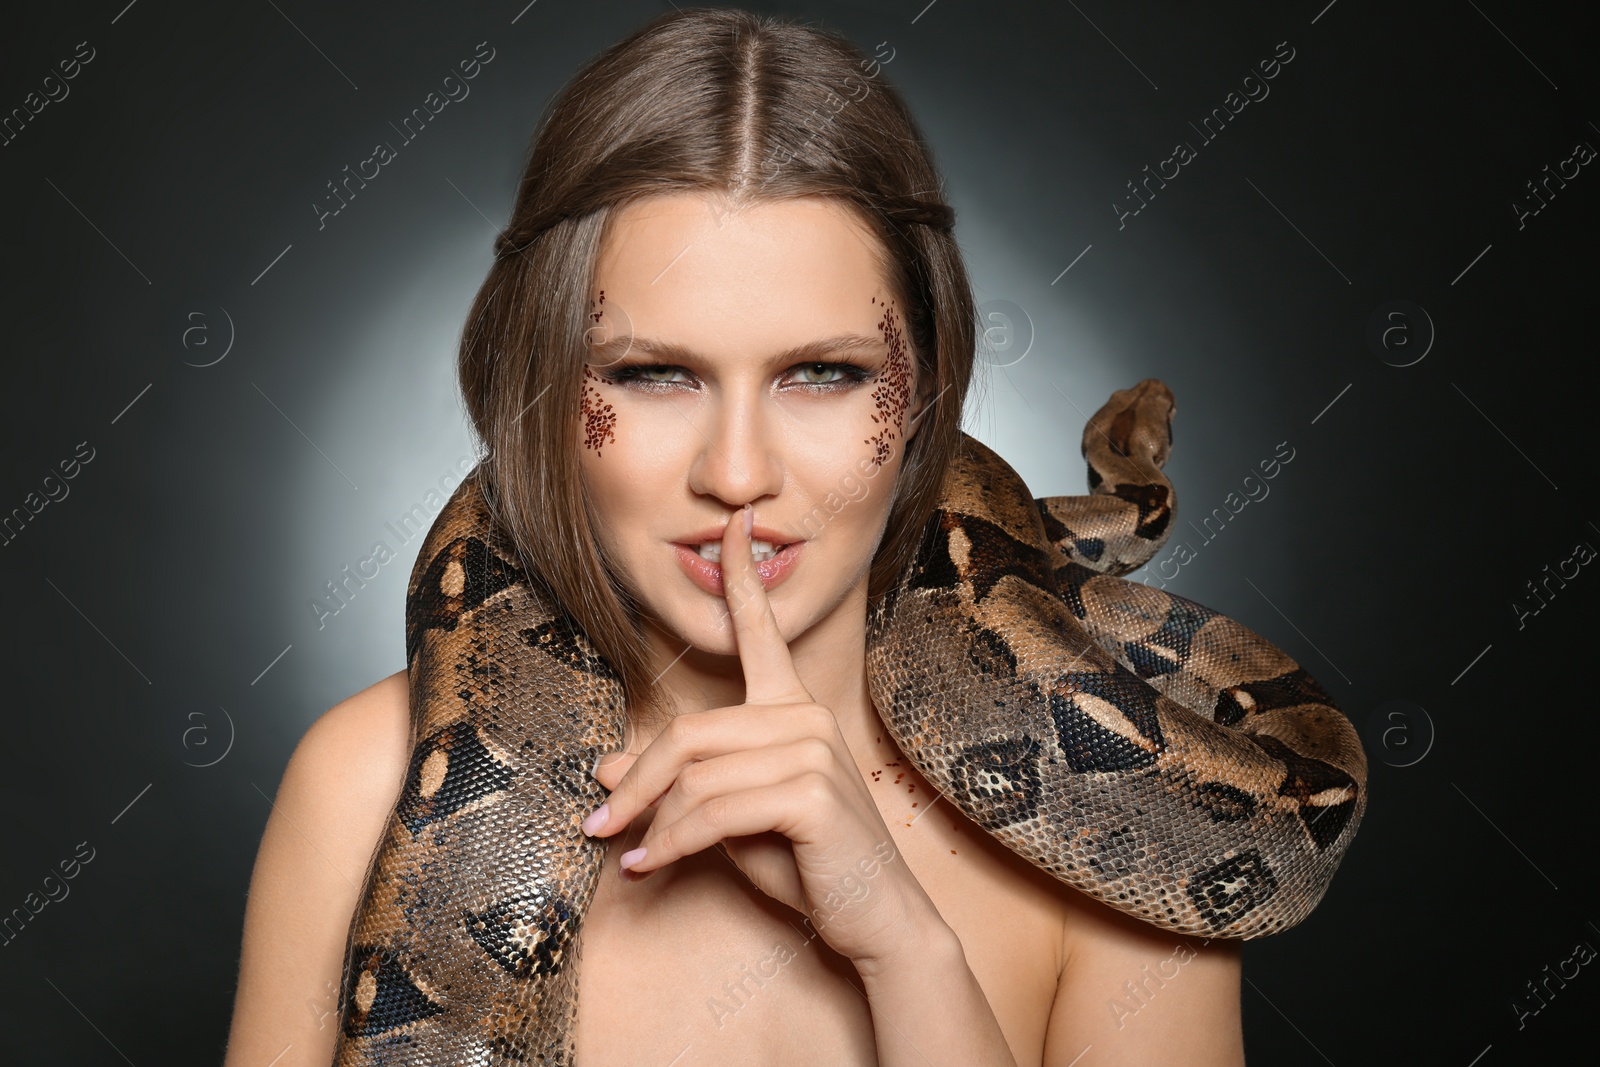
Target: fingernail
632 856
749 519
597 818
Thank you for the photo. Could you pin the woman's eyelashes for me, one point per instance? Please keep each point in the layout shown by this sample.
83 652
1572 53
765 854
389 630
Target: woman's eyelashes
836 376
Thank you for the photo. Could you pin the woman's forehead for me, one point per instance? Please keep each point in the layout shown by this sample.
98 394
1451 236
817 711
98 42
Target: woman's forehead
686 269
770 235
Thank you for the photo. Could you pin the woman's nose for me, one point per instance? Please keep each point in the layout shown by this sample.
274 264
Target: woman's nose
737 457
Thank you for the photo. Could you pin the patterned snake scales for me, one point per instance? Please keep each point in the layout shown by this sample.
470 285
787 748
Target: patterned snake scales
1139 747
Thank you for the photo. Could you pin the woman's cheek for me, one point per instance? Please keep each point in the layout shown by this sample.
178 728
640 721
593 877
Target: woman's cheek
892 395
599 417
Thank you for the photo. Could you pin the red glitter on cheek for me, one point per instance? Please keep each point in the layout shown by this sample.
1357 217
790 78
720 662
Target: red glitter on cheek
599 421
893 393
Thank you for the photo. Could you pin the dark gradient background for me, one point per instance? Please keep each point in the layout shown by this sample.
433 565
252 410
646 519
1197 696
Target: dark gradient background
162 658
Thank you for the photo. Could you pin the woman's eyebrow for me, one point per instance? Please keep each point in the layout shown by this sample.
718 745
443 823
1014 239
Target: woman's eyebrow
617 348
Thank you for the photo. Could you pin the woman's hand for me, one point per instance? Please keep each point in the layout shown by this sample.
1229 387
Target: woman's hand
772 780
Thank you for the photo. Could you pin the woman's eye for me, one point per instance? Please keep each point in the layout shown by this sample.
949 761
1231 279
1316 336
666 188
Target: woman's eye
845 375
642 374
822 375
824 368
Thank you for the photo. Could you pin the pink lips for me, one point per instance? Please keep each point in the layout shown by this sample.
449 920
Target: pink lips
708 575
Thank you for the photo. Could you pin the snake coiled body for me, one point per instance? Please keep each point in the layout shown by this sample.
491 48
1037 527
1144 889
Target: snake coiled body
1139 747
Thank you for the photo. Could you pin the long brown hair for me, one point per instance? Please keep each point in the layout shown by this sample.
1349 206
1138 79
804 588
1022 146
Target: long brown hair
714 101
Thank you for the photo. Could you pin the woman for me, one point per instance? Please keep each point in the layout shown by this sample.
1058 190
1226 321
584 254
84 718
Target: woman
730 253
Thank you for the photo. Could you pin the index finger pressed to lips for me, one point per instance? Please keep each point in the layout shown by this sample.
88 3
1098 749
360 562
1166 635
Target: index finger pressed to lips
769 673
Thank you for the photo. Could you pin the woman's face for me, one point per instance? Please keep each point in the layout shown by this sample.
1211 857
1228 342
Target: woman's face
747 356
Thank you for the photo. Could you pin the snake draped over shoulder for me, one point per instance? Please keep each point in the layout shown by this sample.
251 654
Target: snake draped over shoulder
1143 749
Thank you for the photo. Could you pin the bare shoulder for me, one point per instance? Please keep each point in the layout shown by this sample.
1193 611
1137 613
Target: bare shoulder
330 810
369 728
1140 994
346 771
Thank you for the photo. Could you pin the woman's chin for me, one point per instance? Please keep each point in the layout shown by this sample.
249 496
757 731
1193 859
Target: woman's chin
708 630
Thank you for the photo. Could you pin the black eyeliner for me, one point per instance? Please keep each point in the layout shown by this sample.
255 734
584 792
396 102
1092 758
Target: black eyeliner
855 373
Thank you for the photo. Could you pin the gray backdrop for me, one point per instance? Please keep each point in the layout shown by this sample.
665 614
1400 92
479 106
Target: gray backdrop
1353 267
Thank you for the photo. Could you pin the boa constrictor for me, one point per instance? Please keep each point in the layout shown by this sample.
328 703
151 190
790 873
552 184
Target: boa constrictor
1139 747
